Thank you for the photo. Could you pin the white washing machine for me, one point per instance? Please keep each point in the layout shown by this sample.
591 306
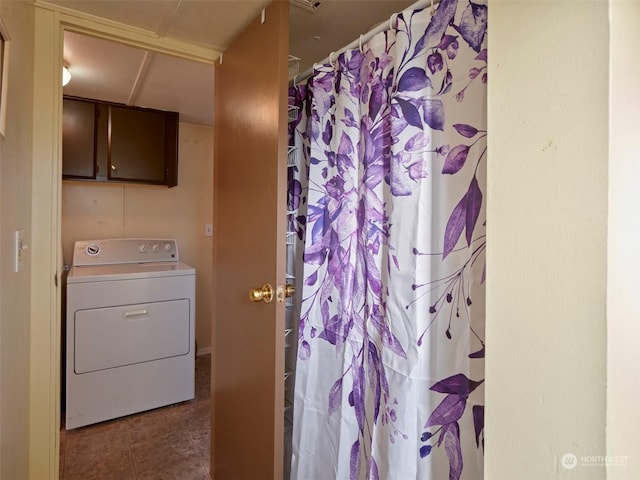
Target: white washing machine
130 329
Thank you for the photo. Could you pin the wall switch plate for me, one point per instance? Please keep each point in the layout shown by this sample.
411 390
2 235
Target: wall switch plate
18 250
208 230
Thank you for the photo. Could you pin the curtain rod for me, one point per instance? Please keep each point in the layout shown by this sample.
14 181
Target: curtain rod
383 27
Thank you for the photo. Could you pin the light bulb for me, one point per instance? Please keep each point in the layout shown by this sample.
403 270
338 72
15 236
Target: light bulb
66 76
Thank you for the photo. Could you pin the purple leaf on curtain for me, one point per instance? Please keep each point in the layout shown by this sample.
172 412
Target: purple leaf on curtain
358 394
417 141
453 449
354 465
311 279
373 470
315 254
465 130
335 396
433 111
457 384
351 61
319 218
454 227
478 354
373 175
376 100
456 159
473 25
413 80
374 378
478 421
327 134
448 411
349 120
474 203
439 23
435 62
331 327
410 112
482 56
346 145
418 170
390 341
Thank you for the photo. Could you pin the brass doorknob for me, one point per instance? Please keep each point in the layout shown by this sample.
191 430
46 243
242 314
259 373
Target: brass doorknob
263 294
285 291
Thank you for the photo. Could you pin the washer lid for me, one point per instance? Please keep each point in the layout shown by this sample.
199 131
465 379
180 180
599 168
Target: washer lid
127 271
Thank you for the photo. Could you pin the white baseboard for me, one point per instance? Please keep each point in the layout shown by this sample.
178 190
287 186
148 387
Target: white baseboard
203 351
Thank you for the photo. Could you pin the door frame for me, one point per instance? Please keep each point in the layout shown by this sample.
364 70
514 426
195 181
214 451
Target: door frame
51 21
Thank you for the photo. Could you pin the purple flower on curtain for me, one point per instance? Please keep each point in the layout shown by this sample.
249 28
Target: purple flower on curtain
446 416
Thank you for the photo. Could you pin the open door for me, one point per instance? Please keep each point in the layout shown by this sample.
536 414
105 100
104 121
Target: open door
249 251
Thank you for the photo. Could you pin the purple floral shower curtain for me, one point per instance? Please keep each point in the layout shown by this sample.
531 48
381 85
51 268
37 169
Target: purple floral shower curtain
390 369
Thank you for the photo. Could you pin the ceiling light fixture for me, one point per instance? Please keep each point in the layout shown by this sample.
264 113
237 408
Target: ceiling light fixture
66 75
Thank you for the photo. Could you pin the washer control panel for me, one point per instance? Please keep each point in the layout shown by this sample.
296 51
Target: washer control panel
124 250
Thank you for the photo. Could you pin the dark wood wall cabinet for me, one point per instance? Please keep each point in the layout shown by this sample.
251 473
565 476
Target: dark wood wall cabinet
110 142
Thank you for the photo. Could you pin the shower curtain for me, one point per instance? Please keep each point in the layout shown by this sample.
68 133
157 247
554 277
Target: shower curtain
390 358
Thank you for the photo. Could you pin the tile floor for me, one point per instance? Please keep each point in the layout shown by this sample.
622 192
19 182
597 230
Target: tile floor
163 444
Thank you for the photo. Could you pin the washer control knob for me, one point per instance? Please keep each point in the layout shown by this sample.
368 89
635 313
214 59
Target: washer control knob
93 249
167 247
142 247
155 247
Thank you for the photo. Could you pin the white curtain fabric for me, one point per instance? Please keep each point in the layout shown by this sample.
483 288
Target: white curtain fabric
390 357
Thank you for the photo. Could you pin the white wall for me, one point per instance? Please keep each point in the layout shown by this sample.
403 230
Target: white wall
547 225
15 214
623 302
93 210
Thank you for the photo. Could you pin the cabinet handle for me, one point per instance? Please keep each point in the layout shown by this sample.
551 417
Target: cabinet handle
114 168
135 313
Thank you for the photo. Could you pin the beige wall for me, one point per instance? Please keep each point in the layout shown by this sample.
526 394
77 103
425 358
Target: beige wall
547 245
15 214
623 304
92 210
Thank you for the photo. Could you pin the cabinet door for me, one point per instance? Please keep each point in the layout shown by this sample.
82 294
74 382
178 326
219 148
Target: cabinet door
78 139
137 145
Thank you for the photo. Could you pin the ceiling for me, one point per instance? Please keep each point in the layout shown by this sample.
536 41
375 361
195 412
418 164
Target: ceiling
115 72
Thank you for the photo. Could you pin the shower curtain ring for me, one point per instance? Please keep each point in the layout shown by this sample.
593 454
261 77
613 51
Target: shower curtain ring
331 59
360 44
432 11
392 21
